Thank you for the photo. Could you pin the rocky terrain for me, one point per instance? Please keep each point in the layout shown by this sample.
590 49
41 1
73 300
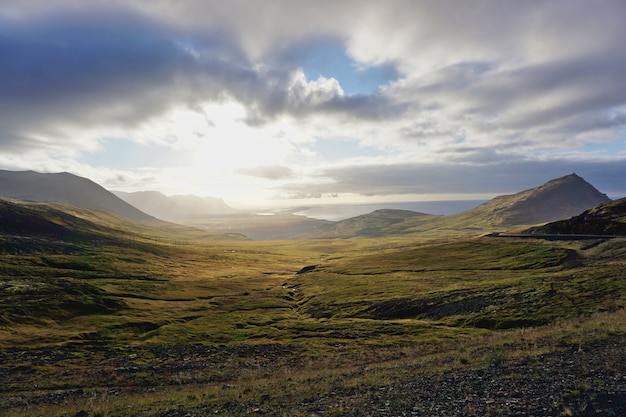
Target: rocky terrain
577 379
605 219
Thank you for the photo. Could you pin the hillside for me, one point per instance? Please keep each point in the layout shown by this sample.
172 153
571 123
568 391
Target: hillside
67 188
176 208
471 327
605 219
376 224
557 199
21 224
35 225
104 316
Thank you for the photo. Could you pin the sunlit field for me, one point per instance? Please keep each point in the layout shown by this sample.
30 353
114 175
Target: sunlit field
156 323
312 209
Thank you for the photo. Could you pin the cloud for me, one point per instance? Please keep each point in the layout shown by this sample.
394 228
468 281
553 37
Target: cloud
113 67
102 68
273 172
461 179
477 89
303 93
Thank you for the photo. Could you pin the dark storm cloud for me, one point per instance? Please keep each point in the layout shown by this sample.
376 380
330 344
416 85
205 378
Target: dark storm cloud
102 67
499 178
106 67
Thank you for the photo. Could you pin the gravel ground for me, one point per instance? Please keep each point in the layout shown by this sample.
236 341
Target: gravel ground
591 382
586 380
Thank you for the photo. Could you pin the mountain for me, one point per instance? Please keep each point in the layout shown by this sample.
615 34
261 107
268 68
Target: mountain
33 221
31 225
557 199
175 208
66 188
375 224
605 219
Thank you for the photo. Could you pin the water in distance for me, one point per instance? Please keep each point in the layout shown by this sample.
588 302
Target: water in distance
344 211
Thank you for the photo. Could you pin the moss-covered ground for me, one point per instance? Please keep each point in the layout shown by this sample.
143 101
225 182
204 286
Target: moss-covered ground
149 323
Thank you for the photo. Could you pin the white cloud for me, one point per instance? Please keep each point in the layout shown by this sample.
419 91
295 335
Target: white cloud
303 93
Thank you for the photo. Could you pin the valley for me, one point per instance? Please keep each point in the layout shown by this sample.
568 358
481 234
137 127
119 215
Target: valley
312 209
398 314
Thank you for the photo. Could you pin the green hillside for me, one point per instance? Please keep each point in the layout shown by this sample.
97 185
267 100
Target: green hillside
557 199
52 255
376 224
101 316
476 283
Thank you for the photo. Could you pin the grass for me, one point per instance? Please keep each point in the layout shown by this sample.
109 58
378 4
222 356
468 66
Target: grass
144 325
311 376
478 283
222 291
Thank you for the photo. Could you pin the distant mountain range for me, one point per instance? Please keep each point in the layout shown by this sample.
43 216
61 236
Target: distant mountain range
66 188
558 199
176 208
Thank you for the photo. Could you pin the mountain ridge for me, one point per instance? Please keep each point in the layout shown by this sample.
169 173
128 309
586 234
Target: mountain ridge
41 223
67 188
175 208
556 199
375 224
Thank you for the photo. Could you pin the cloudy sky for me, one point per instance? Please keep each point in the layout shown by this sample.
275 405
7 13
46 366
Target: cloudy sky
292 102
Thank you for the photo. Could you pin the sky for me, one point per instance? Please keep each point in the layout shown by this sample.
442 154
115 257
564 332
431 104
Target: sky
279 103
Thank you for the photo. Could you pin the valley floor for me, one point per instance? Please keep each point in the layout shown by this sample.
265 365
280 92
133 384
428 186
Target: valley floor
161 326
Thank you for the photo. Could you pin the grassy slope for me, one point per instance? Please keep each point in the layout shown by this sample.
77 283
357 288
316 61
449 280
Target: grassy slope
222 291
58 259
478 283
560 198
364 302
376 224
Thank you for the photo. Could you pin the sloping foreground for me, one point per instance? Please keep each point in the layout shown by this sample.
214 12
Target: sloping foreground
573 369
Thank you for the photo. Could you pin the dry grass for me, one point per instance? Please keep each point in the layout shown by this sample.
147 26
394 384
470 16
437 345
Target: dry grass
371 312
